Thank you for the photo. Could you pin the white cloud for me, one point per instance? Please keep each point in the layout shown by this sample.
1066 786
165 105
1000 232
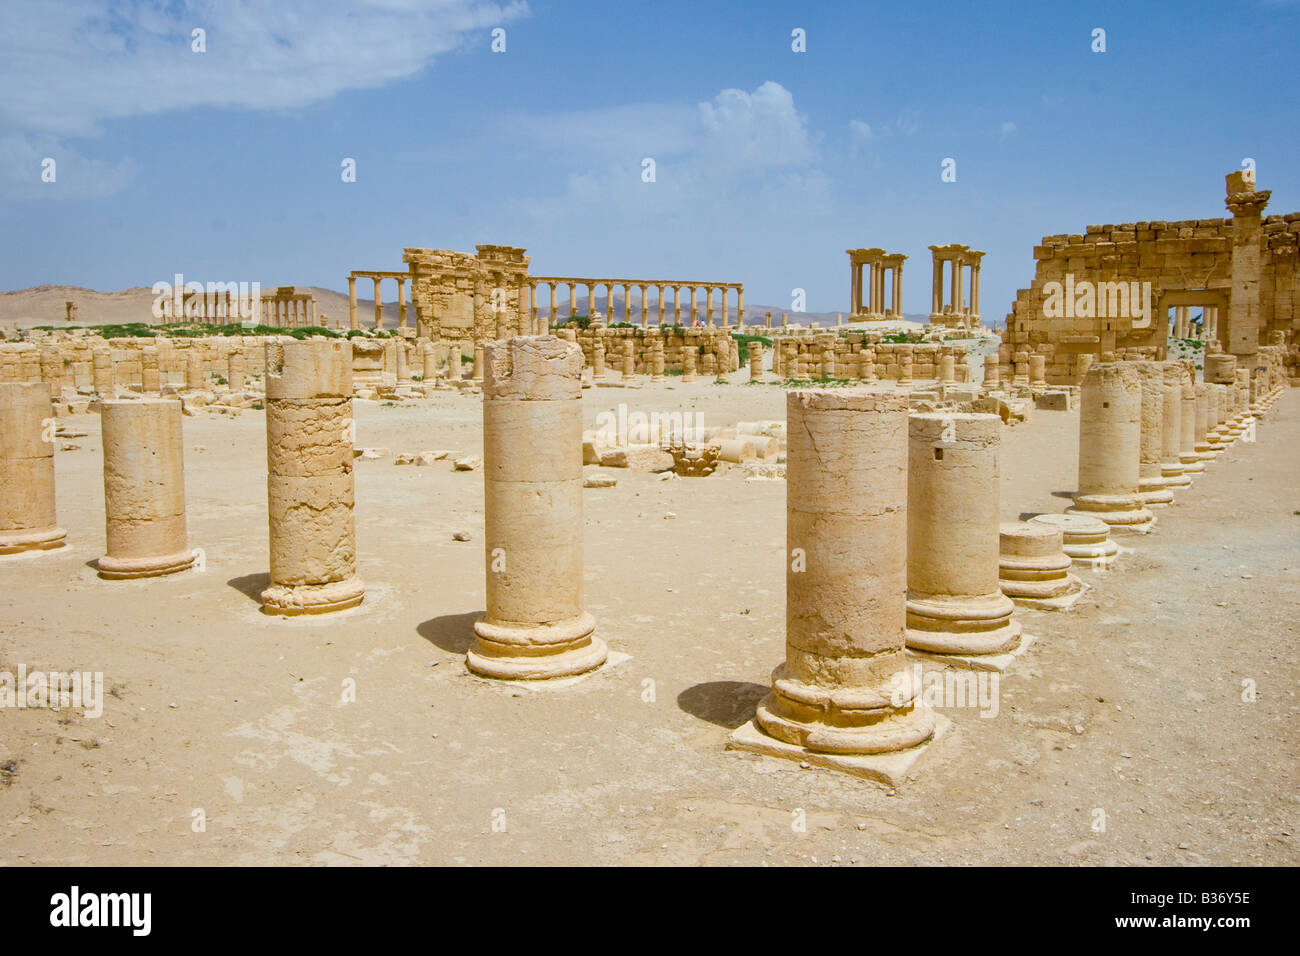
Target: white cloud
859 132
724 153
1008 128
758 130
68 68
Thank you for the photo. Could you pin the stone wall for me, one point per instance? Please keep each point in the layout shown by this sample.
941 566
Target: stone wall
458 296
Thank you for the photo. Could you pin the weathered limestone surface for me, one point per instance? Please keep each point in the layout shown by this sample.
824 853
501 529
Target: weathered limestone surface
310 485
144 489
954 603
1110 447
536 626
838 691
27 516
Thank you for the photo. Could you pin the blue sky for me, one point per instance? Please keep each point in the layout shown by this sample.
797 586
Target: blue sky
225 165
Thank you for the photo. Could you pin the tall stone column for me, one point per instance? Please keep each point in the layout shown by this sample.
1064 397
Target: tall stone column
660 303
1171 429
144 489
401 303
956 286
536 626
708 306
842 691
27 517
855 286
645 316
975 294
954 604
694 308
1244 320
740 306
1206 421
1110 445
591 299
1151 479
756 361
677 305
936 286
479 359
896 305
310 485
379 304
1190 419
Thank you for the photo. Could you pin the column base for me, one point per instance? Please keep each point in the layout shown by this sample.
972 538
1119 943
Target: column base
1052 594
506 651
975 625
114 569
1122 513
1174 475
890 769
40 539
846 721
977 662
290 600
1152 491
1086 539
1193 463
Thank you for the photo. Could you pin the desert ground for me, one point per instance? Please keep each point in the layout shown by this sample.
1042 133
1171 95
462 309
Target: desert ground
1132 703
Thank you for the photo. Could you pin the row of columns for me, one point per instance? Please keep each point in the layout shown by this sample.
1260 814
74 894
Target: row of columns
869 298
956 309
693 316
1208 329
354 321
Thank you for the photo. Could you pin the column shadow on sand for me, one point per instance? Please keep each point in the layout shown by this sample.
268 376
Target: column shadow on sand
727 703
252 585
452 632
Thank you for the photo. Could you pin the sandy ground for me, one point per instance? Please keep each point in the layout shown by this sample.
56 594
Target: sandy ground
1131 704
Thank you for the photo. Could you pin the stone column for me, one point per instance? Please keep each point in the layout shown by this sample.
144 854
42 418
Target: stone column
403 368
102 373
478 360
690 352
708 306
194 378
1190 419
842 690
235 371
661 305
598 358
1151 479
1033 568
975 293
755 361
591 299
896 305
855 286
1110 444
936 287
455 351
1037 369
532 306
1086 540
429 365
144 489
677 305
947 368
740 306
657 359
310 485
1244 319
379 304
956 286
1171 425
954 604
694 309
645 318
27 518
401 303
629 359
536 626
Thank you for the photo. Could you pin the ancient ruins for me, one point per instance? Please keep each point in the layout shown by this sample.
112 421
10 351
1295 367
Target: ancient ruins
1154 348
